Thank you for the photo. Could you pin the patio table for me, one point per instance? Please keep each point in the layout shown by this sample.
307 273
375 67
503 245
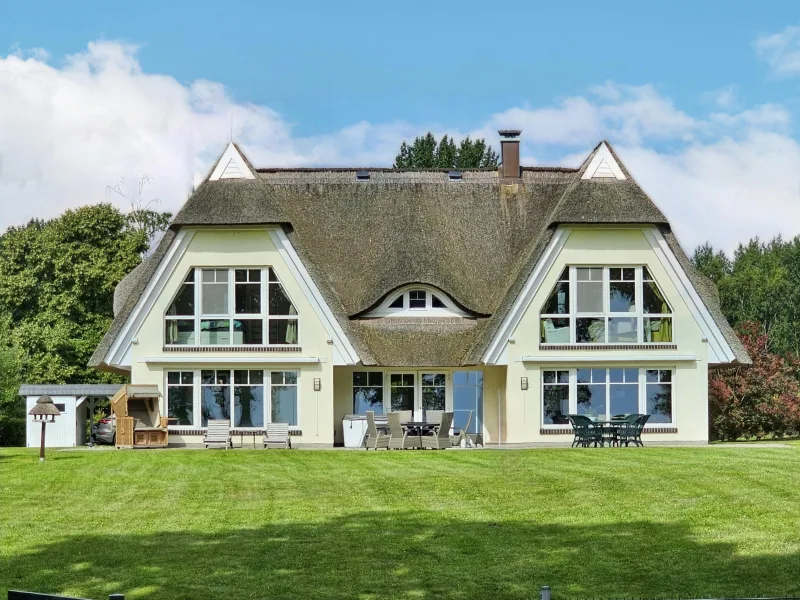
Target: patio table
610 429
418 427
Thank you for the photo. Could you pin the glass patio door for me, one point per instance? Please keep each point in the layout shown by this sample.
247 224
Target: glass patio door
402 391
418 391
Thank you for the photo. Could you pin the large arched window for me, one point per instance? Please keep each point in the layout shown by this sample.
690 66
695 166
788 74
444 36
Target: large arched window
417 301
606 305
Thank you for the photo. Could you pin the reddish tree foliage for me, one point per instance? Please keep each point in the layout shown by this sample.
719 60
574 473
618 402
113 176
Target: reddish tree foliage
755 401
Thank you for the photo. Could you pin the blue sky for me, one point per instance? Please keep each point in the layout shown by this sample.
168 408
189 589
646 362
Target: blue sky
699 98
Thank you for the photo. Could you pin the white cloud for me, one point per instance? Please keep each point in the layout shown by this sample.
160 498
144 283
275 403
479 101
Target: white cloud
781 51
67 132
725 98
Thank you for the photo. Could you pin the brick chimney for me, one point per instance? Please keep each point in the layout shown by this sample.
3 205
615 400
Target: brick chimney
509 153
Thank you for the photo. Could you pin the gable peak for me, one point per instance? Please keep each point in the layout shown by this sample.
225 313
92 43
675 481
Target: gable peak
603 165
231 165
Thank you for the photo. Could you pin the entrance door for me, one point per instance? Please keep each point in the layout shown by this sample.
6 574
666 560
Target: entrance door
418 391
402 391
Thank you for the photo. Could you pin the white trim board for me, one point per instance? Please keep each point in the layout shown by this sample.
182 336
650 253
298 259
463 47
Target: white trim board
719 351
595 358
495 353
343 351
119 354
603 165
231 165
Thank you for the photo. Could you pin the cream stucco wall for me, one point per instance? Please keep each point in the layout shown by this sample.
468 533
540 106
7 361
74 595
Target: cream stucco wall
239 248
608 247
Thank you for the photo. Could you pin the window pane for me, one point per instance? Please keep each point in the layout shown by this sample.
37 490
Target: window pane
215 332
558 301
622 297
623 330
468 398
248 406
215 298
398 302
173 377
284 404
248 331
653 300
240 275
215 402
433 390
563 376
248 298
376 379
631 375
592 400
556 404
590 331
616 375
187 377
257 377
629 274
283 331
652 376
272 275
659 402
183 305
180 404
555 331
366 399
179 331
402 398
279 303
416 299
590 297
658 329
436 302
240 377
360 378
624 398
549 376
584 375
665 376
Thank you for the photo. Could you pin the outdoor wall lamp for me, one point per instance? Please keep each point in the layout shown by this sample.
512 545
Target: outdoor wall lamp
317 384
524 383
44 412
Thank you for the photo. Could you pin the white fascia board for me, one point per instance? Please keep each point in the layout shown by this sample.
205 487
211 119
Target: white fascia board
187 359
603 155
232 158
719 351
604 358
344 351
495 352
119 354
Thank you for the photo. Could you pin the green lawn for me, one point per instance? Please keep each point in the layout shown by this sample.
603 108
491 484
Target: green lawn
230 525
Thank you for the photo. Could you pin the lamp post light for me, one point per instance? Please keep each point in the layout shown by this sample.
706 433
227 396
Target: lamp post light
44 412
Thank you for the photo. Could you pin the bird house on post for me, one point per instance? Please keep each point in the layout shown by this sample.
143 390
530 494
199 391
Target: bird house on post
44 412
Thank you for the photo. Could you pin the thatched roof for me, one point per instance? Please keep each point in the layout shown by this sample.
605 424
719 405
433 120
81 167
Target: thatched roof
475 239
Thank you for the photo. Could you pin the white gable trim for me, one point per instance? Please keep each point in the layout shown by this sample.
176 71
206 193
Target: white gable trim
719 351
495 353
603 165
231 165
119 353
344 352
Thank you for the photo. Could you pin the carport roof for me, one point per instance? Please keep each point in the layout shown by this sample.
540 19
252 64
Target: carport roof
70 389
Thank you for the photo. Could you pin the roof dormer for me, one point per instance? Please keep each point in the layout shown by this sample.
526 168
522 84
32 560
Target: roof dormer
416 300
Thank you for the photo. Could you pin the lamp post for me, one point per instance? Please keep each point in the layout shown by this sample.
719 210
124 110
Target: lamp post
44 412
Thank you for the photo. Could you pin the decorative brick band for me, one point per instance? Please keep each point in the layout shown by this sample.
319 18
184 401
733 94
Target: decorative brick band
245 432
293 349
608 346
569 431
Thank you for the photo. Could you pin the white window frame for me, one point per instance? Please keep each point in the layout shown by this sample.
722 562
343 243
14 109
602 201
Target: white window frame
231 316
385 309
197 396
354 387
606 313
642 392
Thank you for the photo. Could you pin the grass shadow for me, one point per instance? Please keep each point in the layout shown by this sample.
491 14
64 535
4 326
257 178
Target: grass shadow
403 555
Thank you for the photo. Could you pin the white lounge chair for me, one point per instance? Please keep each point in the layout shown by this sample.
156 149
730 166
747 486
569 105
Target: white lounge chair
218 434
277 436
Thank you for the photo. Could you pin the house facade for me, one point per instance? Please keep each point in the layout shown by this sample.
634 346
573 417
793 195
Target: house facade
512 296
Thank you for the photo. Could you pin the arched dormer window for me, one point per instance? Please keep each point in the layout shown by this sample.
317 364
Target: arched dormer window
417 301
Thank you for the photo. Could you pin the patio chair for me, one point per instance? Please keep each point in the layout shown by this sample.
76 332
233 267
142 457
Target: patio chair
405 415
440 438
398 437
586 431
277 436
461 434
626 432
434 416
218 434
375 439
636 430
